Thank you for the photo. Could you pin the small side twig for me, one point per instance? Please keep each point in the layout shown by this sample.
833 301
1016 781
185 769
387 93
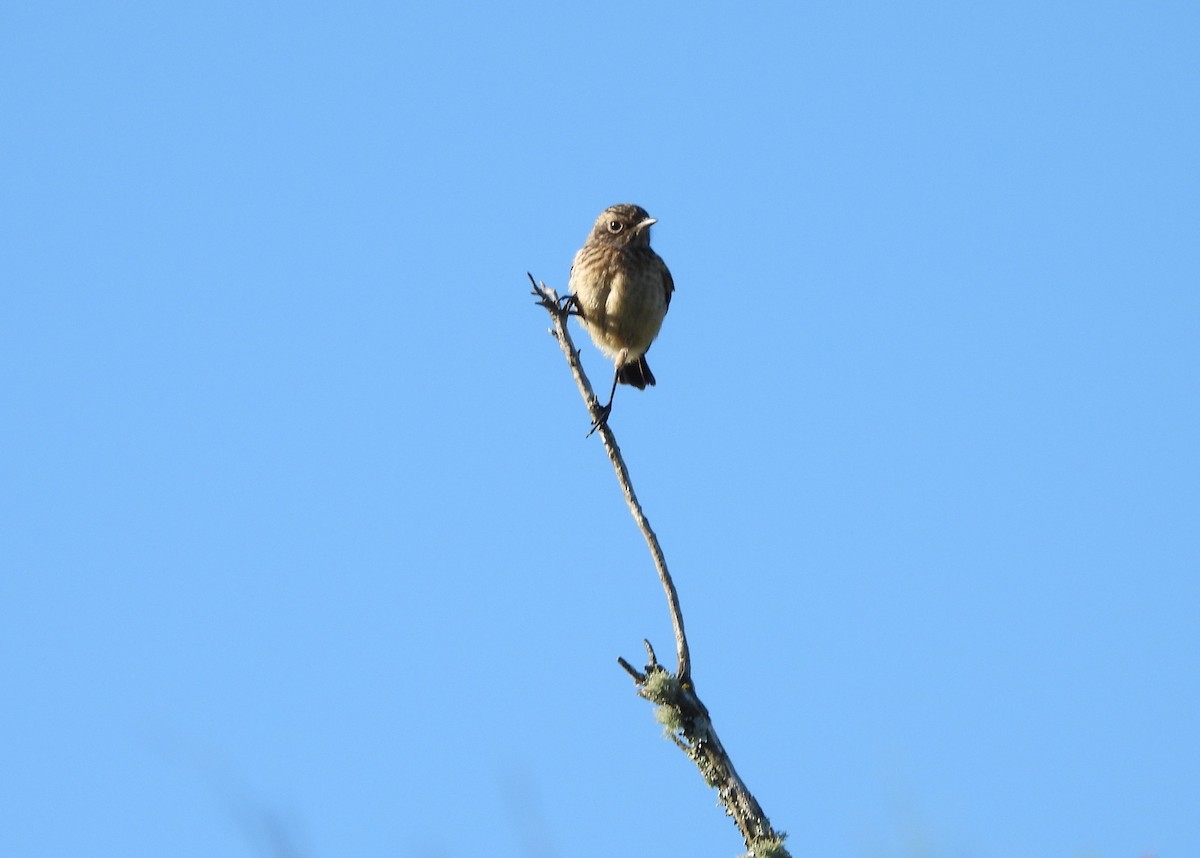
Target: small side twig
677 706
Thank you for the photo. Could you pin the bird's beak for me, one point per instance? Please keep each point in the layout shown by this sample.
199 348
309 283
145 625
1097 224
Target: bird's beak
647 223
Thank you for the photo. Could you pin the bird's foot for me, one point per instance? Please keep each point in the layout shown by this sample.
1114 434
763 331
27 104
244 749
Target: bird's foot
570 305
601 418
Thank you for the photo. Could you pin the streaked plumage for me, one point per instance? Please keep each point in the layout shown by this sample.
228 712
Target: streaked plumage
622 289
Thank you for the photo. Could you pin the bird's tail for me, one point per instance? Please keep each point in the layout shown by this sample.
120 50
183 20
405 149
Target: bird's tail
637 373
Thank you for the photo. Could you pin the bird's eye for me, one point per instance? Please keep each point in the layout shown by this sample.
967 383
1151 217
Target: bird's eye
615 226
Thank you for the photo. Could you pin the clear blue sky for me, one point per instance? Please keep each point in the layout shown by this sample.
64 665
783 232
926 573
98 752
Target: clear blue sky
304 552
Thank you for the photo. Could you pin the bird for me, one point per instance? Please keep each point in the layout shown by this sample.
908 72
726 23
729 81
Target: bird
621 290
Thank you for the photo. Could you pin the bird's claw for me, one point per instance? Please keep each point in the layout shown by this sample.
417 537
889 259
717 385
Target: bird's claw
601 419
570 305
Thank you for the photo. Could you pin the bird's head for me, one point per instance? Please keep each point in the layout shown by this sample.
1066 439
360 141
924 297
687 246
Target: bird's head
623 225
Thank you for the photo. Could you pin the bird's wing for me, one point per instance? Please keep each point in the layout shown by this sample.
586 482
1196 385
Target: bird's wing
571 273
668 283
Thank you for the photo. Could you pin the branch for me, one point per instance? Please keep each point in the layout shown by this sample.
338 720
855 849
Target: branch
549 299
679 709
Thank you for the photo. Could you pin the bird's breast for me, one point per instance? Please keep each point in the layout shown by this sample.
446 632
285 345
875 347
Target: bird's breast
623 299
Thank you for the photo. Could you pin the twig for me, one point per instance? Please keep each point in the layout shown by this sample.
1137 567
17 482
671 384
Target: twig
679 708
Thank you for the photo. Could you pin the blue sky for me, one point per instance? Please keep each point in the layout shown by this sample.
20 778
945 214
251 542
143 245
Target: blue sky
305 552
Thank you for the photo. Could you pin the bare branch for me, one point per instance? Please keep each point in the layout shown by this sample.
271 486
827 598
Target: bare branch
677 706
549 299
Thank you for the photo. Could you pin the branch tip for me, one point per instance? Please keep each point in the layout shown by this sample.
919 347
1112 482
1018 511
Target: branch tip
653 659
638 677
